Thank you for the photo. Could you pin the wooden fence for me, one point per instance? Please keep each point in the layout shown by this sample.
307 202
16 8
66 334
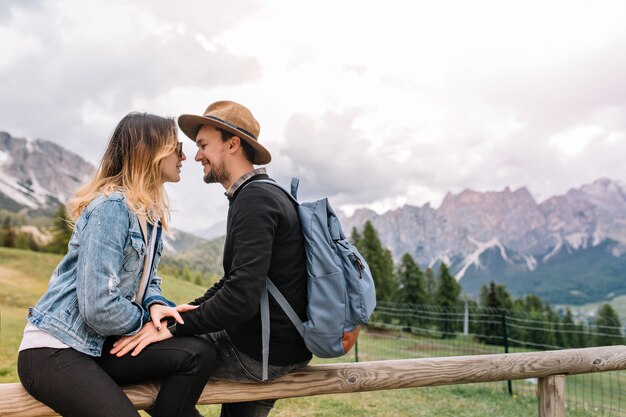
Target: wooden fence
550 367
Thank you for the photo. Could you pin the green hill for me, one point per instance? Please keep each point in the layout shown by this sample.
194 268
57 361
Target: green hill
24 278
204 258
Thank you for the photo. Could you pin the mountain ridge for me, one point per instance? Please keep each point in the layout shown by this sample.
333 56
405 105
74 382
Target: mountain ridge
525 236
506 235
38 175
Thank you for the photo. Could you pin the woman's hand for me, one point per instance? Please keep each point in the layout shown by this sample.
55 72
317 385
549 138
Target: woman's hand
138 342
158 312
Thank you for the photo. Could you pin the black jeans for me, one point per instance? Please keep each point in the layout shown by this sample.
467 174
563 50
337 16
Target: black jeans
78 385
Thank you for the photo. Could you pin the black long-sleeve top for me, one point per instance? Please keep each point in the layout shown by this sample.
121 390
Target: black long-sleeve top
263 238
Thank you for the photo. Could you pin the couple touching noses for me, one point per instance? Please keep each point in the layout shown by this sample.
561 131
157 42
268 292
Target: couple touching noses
103 321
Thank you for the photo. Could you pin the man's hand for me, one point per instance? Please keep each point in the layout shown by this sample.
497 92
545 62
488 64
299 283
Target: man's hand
137 342
158 312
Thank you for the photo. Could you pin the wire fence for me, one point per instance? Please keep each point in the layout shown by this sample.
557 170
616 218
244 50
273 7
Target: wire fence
400 331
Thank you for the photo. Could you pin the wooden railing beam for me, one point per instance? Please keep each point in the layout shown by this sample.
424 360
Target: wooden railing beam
371 376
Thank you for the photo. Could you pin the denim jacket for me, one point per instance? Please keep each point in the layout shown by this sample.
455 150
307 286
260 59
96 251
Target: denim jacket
91 292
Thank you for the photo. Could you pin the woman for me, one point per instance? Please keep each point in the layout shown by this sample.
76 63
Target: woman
106 286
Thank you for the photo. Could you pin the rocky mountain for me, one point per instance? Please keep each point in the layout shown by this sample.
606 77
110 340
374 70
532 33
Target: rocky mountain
567 249
37 175
214 231
508 237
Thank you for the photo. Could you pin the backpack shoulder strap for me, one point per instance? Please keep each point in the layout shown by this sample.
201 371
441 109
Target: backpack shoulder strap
282 301
293 195
270 288
294 187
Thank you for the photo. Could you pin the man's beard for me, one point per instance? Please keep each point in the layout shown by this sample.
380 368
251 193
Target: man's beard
219 174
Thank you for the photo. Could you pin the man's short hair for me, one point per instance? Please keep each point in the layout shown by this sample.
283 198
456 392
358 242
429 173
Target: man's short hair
248 150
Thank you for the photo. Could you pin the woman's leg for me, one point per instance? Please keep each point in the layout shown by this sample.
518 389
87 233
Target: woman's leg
72 384
183 364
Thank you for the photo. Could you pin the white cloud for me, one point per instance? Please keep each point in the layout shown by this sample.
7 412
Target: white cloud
80 61
372 104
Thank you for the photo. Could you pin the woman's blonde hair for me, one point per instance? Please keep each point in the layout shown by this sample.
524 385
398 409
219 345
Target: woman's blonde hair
132 165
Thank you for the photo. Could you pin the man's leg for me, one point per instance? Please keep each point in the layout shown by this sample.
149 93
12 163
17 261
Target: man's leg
72 384
234 365
259 408
182 364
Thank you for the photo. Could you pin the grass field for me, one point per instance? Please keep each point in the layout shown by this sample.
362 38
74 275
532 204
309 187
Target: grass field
24 276
589 390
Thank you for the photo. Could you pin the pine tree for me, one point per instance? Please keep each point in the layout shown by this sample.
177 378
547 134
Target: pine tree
447 297
21 241
608 327
568 327
449 290
410 286
9 235
497 300
540 330
390 283
355 237
411 281
554 336
61 231
583 339
379 261
431 284
533 303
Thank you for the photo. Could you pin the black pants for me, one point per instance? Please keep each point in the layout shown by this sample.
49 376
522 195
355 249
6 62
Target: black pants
78 385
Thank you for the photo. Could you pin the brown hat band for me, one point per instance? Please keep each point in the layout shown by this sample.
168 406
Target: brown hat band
234 126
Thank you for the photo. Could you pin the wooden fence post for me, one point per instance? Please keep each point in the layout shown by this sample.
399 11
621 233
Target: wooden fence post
551 393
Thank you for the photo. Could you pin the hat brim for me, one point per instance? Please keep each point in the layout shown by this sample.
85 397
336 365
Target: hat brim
190 124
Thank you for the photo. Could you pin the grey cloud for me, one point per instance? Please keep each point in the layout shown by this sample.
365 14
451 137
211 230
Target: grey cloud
45 93
334 159
8 6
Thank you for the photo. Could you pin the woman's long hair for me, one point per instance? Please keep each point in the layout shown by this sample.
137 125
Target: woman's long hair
132 165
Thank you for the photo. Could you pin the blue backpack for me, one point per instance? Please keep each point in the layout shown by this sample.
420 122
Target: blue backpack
341 294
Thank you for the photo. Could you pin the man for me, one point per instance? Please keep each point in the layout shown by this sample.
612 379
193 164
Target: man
263 239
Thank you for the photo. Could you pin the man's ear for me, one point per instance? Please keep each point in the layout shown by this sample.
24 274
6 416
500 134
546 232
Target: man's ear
234 143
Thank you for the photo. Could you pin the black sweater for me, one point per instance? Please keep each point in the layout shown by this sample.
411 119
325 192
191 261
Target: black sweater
263 238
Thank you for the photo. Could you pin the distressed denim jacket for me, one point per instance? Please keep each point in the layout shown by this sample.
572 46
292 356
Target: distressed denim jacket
91 292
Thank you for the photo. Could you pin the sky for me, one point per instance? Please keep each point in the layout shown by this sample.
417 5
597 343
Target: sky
372 104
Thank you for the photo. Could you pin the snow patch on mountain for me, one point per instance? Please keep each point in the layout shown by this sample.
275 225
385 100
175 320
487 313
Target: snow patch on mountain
555 250
5 158
168 246
10 187
531 262
473 259
577 240
597 238
443 258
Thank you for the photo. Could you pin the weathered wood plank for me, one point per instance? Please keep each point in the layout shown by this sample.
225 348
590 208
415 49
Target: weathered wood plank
551 396
371 376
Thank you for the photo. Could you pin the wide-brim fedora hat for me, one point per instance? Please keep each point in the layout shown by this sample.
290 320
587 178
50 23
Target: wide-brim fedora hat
231 117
